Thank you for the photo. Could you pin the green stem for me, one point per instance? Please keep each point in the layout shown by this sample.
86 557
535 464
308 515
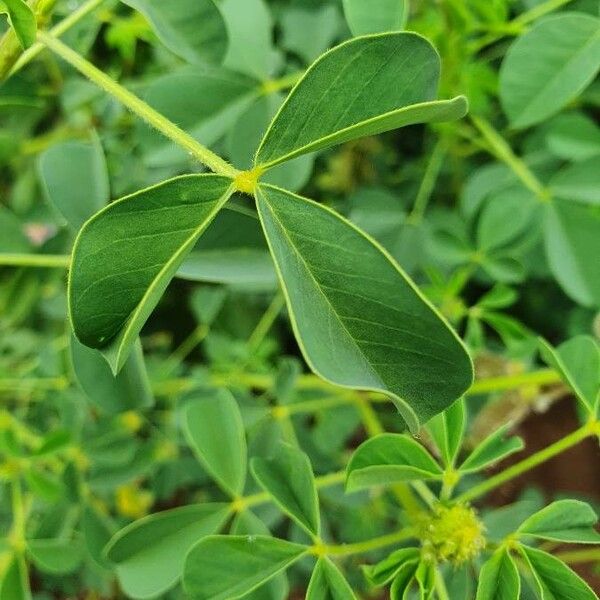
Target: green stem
430 177
139 107
266 322
35 260
272 86
574 557
500 148
61 28
530 462
509 382
383 541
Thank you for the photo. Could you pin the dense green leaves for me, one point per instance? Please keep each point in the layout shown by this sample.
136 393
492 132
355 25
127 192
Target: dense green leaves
563 521
215 431
128 390
149 554
360 321
15 582
499 578
390 458
68 168
363 87
327 583
375 17
384 571
21 19
548 66
119 272
192 29
553 579
228 567
289 479
447 430
56 556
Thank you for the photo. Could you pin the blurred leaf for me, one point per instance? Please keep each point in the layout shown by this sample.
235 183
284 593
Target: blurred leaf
15 581
499 578
384 571
149 554
289 479
377 16
58 556
546 67
214 430
579 181
192 29
228 567
22 19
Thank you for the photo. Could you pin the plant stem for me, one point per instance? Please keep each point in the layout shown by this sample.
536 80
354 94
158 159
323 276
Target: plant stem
266 322
272 86
139 107
35 260
85 9
530 462
368 545
574 557
502 150
430 177
509 382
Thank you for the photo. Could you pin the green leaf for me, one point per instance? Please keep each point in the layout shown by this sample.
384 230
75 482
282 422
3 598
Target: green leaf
375 17
12 233
65 170
578 363
327 583
579 181
360 322
553 579
571 238
214 429
15 582
128 390
363 87
573 136
499 578
119 271
448 429
149 554
22 19
55 556
563 521
549 66
227 567
425 578
192 29
384 571
401 585
97 531
389 458
250 29
491 450
289 479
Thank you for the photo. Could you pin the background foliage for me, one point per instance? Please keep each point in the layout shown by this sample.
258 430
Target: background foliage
170 479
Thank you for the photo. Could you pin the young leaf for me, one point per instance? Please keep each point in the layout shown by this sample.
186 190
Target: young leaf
447 430
553 579
214 429
149 554
15 581
548 66
128 390
69 167
224 567
492 449
192 29
55 556
578 362
401 585
119 271
363 87
563 521
327 583
571 237
425 578
21 19
499 578
359 320
389 458
289 479
383 572
375 17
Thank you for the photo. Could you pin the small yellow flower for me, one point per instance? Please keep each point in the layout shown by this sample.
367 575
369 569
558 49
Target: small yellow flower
131 421
133 502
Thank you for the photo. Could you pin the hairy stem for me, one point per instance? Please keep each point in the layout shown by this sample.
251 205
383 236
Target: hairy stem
35 260
367 546
139 107
530 462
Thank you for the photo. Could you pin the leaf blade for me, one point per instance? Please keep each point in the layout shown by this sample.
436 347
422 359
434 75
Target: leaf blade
499 578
